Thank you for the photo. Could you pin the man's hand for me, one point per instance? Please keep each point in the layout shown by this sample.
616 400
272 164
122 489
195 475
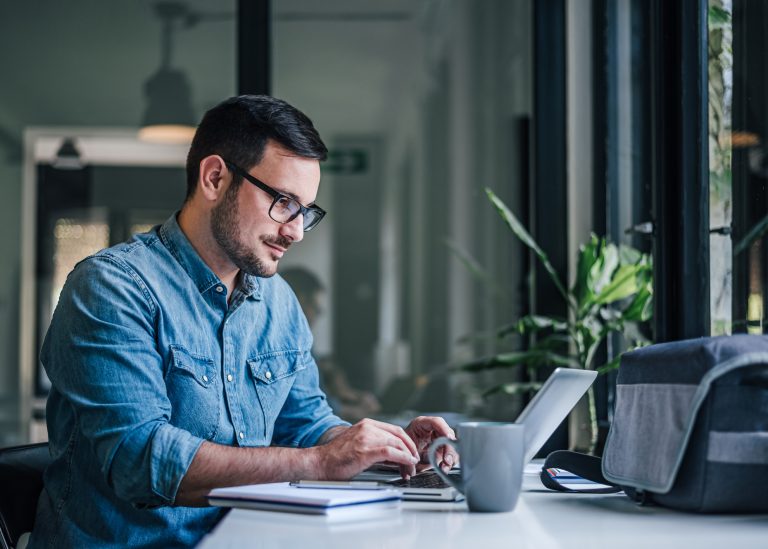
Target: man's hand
423 430
354 449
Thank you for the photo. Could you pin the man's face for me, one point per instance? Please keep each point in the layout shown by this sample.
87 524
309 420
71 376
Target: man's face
240 223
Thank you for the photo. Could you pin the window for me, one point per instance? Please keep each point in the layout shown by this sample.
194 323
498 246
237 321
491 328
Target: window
738 165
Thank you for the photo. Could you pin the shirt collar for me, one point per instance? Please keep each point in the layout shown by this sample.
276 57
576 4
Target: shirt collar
202 275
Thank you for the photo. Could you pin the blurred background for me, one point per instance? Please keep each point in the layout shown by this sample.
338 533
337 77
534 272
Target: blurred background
636 120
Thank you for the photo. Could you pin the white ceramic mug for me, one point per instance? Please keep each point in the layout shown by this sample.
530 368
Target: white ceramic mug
491 456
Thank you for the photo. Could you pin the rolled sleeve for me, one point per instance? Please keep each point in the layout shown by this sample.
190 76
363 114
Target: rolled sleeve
167 457
101 356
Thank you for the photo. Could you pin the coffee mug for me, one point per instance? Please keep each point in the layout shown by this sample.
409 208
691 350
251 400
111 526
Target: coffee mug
491 455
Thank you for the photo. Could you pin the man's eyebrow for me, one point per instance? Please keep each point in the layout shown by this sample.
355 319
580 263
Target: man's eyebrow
286 193
292 195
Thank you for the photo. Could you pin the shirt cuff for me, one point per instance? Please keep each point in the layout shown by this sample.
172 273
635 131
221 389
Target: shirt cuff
148 467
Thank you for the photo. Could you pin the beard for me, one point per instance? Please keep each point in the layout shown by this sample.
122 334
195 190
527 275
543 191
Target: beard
226 231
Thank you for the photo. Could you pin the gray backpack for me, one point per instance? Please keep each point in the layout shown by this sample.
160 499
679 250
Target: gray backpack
690 428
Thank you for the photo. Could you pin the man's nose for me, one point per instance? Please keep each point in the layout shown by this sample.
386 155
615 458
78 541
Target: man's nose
294 229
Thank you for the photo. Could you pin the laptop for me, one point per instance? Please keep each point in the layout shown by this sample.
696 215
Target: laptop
548 408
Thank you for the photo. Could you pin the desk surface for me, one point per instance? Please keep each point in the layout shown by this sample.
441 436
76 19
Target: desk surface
542 519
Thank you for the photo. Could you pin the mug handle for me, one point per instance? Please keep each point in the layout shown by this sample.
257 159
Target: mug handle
444 441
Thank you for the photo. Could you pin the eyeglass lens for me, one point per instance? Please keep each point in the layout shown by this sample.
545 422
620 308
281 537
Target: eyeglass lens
285 209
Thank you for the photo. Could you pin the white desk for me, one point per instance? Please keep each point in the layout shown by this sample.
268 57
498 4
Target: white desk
542 519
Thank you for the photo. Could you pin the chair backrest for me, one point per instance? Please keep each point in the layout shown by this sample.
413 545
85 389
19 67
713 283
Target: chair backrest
21 481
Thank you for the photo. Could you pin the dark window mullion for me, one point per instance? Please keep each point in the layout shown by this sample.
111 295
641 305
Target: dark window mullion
253 46
680 169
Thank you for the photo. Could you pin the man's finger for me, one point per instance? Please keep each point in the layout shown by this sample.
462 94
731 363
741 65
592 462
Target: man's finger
446 457
437 425
398 432
404 459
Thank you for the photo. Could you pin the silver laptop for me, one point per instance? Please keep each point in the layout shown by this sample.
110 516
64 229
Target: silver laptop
541 416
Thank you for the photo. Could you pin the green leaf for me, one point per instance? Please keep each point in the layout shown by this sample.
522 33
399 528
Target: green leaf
469 262
588 253
609 366
718 17
534 323
517 228
622 285
553 342
532 357
641 307
601 272
630 256
513 388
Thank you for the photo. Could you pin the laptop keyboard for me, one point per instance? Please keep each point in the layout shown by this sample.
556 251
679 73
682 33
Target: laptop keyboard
428 479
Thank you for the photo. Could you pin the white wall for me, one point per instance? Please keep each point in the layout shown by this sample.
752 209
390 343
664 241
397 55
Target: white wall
579 108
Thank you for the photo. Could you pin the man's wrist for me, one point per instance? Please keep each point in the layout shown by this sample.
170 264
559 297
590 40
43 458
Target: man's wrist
313 466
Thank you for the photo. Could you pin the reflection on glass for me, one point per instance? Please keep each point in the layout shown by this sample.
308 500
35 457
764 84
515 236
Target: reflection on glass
74 240
720 172
738 123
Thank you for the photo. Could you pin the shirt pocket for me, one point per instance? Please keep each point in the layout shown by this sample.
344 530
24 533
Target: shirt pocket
192 385
273 375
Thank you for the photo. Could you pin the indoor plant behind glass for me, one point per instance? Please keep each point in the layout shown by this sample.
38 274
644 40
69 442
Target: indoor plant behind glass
612 293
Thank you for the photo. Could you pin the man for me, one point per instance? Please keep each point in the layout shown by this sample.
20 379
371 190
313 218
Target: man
179 363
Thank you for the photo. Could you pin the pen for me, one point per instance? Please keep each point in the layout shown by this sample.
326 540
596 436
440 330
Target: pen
339 484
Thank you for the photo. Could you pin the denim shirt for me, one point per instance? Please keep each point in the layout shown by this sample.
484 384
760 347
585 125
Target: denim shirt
147 360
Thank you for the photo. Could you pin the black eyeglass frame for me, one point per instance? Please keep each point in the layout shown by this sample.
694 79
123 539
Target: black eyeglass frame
277 195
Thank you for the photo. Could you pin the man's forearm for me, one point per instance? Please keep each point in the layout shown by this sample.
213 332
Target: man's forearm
215 466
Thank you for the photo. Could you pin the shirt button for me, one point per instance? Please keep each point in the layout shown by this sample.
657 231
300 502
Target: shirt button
242 435
268 375
229 377
205 378
219 289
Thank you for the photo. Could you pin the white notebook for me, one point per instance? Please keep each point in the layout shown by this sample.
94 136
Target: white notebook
281 496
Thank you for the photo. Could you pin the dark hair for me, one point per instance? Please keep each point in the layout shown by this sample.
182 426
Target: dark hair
238 130
303 281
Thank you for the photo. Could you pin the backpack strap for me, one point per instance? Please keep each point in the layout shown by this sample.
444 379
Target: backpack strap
583 465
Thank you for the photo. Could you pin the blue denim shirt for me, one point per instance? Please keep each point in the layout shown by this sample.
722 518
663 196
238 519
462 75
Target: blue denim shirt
147 360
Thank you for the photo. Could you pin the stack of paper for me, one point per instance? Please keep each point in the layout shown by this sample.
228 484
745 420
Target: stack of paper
282 496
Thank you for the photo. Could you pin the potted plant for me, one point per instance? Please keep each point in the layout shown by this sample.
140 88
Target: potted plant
612 293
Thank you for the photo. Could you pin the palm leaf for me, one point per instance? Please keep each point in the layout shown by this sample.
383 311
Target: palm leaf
622 285
588 254
534 357
517 228
472 265
609 366
602 271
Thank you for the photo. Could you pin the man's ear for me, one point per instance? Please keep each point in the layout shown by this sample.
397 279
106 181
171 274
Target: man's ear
213 178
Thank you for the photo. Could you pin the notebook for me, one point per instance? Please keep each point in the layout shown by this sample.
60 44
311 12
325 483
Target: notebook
282 496
548 408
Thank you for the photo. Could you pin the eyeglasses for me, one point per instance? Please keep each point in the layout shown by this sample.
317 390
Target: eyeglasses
284 209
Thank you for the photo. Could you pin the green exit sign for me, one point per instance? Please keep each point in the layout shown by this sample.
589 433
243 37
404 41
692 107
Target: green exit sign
346 161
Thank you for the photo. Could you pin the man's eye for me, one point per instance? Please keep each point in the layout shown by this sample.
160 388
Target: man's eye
287 204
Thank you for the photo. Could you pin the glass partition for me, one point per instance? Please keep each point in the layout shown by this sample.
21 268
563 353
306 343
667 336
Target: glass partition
92 72
423 104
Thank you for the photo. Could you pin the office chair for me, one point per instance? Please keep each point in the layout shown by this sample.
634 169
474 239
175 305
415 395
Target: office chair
21 481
